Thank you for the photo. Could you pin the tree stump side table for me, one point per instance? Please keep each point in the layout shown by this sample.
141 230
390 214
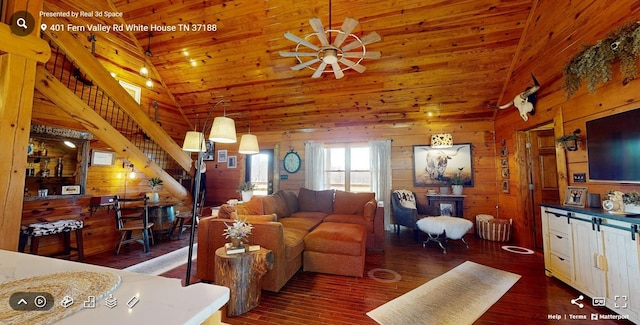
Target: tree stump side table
242 274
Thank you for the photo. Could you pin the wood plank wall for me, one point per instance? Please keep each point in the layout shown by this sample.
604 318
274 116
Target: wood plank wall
548 46
481 198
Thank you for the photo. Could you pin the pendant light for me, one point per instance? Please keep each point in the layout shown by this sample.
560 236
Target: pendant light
249 143
144 71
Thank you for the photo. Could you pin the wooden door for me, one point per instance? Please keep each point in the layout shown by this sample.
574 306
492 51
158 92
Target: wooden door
543 177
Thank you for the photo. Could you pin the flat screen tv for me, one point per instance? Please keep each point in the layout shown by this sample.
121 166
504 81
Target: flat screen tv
613 147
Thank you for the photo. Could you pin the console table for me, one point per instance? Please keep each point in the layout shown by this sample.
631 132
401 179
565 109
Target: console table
449 204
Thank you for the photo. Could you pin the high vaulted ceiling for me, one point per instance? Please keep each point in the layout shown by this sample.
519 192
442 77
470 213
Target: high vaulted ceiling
441 59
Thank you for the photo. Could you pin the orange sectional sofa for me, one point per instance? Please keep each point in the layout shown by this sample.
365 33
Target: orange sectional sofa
283 220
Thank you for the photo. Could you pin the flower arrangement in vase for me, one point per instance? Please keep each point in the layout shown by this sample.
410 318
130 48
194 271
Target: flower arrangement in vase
237 231
154 182
457 183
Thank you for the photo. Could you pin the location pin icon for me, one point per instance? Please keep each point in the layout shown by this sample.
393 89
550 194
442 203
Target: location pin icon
43 27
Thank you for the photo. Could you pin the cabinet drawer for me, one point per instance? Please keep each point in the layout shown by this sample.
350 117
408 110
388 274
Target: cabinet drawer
558 223
560 266
560 244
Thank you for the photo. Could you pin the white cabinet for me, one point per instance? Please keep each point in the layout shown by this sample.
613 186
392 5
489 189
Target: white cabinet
597 254
557 245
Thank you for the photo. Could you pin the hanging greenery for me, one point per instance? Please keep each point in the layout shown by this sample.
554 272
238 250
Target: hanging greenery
593 64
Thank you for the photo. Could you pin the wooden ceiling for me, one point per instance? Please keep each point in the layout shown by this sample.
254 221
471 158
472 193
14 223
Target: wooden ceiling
441 60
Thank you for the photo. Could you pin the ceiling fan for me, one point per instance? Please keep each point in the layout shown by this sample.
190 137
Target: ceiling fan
332 53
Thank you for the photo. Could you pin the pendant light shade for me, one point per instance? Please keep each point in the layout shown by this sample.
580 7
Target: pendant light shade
249 144
223 130
194 142
442 140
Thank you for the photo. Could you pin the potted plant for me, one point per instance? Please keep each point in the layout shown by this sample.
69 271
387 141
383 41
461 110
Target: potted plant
237 231
457 183
154 182
570 141
246 189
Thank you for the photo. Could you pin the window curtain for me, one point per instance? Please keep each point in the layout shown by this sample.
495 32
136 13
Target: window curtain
380 156
314 165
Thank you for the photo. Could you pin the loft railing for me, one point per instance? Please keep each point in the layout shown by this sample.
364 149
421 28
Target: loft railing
72 77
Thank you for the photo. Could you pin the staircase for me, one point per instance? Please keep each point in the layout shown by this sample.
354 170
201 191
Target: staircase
79 85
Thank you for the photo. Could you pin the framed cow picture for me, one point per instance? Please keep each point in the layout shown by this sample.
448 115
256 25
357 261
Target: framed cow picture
434 167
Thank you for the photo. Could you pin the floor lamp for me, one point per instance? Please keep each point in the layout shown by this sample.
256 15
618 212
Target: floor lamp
222 130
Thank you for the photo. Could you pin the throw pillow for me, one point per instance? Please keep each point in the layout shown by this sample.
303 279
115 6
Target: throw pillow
292 201
406 198
254 206
351 203
260 218
315 201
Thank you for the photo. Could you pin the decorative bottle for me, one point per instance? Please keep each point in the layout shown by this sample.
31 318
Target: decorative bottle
43 149
30 148
59 168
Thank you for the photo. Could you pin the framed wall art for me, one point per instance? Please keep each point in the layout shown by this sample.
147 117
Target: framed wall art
133 90
102 158
575 196
209 154
505 186
222 156
232 161
437 166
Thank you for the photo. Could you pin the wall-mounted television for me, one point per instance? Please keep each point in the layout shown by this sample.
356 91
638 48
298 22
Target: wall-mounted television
613 147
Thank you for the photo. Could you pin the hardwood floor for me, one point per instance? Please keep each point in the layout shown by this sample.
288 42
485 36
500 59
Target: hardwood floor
313 298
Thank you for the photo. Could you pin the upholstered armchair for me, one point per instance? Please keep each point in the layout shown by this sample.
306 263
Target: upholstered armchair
405 211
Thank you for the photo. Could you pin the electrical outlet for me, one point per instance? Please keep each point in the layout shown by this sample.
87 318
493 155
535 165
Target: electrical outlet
579 177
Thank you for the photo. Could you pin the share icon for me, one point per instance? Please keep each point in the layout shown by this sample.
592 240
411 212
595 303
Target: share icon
576 301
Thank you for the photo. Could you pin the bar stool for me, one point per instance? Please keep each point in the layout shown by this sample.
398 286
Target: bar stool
34 231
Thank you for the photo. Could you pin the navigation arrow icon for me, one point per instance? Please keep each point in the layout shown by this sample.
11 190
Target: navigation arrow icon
22 302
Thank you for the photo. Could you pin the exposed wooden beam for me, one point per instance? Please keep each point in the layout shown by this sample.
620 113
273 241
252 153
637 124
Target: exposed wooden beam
29 46
17 76
89 65
67 101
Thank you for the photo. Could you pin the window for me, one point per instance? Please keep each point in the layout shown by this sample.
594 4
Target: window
347 167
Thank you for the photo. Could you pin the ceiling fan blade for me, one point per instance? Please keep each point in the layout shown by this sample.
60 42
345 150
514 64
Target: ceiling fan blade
366 40
316 24
304 64
355 66
347 27
371 55
319 71
337 71
296 54
302 41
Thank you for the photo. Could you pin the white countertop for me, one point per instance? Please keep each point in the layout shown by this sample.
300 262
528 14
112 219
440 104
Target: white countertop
161 300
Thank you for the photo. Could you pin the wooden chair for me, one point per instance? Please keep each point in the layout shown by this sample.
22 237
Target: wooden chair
133 216
183 219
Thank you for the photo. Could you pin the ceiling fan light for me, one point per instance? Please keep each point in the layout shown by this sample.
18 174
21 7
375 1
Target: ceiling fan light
330 56
249 144
442 140
194 142
223 130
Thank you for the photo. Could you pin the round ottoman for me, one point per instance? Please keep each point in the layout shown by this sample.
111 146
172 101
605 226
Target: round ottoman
442 228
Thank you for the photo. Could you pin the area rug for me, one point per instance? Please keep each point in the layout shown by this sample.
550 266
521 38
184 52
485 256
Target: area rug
459 296
164 263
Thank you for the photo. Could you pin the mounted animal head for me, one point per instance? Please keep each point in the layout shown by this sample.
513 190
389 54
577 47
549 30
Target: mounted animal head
437 162
525 101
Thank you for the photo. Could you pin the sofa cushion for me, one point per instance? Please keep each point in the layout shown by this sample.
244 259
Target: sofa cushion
293 242
259 218
292 201
253 207
351 203
350 218
306 224
275 203
336 238
315 201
